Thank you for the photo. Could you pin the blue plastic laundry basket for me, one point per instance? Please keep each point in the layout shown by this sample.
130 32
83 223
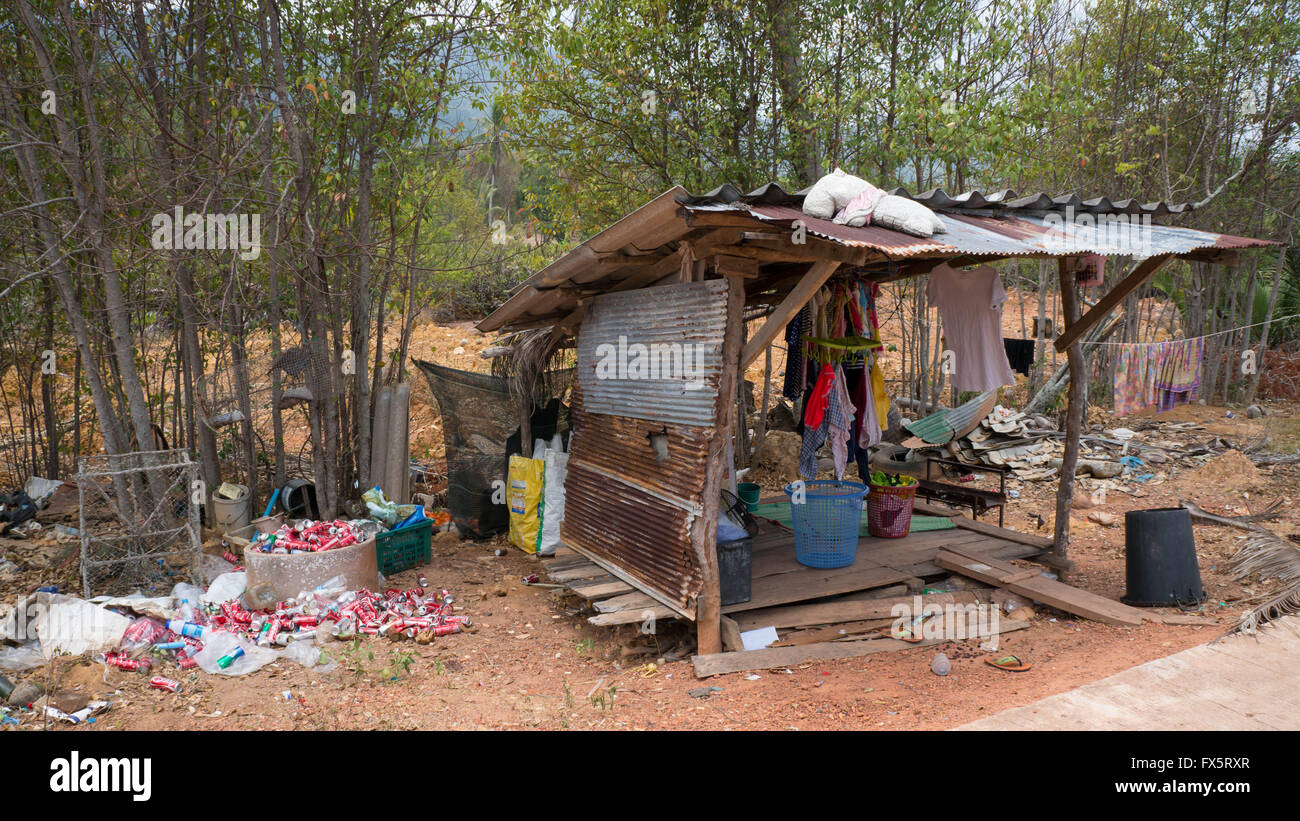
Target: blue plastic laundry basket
827 522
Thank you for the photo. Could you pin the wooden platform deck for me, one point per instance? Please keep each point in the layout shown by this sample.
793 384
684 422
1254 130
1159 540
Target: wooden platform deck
883 566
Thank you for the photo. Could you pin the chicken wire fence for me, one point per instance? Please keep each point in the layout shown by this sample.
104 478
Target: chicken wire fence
139 524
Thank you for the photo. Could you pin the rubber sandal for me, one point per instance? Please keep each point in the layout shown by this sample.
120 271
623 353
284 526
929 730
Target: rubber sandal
1012 663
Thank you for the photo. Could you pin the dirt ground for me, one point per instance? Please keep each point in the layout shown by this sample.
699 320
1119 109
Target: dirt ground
532 662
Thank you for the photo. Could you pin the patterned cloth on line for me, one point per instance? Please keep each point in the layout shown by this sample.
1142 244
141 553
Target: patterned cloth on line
1158 375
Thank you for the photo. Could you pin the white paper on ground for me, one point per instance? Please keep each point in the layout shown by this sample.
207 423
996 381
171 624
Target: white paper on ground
758 639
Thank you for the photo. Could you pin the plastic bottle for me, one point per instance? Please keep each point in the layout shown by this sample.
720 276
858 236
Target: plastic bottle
185 628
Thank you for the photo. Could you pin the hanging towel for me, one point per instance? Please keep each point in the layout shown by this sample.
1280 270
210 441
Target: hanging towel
1179 377
819 397
839 423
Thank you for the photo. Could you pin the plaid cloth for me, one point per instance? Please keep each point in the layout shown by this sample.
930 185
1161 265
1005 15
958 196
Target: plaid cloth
837 422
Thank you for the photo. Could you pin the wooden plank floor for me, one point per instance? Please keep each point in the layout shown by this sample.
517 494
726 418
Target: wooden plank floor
778 579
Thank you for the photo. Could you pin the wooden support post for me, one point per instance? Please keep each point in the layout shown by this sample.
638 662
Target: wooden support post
761 433
1074 414
1077 327
708 607
791 305
740 430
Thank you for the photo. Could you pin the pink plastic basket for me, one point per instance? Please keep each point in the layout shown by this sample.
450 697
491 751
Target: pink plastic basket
889 510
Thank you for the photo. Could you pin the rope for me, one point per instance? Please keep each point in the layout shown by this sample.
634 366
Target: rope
1205 336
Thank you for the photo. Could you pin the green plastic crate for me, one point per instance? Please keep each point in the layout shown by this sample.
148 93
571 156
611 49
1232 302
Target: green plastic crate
399 550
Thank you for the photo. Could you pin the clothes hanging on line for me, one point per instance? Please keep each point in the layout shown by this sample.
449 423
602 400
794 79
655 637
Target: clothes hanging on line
795 362
1158 375
1020 354
844 398
834 422
970 307
1179 378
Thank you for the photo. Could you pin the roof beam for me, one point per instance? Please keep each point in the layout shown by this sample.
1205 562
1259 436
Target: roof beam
811 282
1140 274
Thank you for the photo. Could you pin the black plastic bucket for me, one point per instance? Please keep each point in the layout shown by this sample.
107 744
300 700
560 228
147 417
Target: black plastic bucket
735 570
298 499
1160 561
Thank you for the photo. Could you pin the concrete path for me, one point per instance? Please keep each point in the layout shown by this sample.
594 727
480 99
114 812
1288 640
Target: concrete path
1240 683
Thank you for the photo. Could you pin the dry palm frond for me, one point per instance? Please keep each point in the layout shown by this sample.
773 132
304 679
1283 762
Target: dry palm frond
534 366
1267 555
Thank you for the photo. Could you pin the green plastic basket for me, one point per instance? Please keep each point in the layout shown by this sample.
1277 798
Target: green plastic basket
399 550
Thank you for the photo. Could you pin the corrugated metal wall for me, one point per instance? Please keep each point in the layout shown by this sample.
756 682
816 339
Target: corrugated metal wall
622 508
667 322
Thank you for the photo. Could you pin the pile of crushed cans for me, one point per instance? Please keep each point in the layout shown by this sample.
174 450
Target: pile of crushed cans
310 537
418 613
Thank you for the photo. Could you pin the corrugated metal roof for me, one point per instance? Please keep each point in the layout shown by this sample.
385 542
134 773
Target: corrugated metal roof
936 199
1047 234
994 225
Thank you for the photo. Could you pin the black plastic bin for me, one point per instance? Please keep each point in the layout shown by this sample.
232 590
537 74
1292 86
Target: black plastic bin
1160 561
735 570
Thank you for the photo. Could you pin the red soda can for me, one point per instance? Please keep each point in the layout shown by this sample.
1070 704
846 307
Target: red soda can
304 620
422 581
368 629
230 557
188 663
274 631
446 629
124 663
160 683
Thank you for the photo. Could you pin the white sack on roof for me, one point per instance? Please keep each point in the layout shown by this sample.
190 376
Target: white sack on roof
831 193
909 216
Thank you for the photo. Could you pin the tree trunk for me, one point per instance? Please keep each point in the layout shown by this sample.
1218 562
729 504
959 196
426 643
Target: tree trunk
1074 416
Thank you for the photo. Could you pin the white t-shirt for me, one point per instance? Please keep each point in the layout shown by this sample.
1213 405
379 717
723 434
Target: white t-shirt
970 305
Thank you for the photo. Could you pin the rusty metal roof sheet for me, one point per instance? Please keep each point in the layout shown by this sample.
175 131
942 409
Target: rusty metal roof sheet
994 225
1048 234
937 199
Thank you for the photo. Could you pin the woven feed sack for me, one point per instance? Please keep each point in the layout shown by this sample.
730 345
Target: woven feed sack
524 496
831 193
556 467
911 217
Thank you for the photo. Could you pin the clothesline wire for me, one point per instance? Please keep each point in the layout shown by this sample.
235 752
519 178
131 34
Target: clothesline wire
1203 336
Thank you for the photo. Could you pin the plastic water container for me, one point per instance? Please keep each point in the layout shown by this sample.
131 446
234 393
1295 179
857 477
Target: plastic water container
826 522
232 514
